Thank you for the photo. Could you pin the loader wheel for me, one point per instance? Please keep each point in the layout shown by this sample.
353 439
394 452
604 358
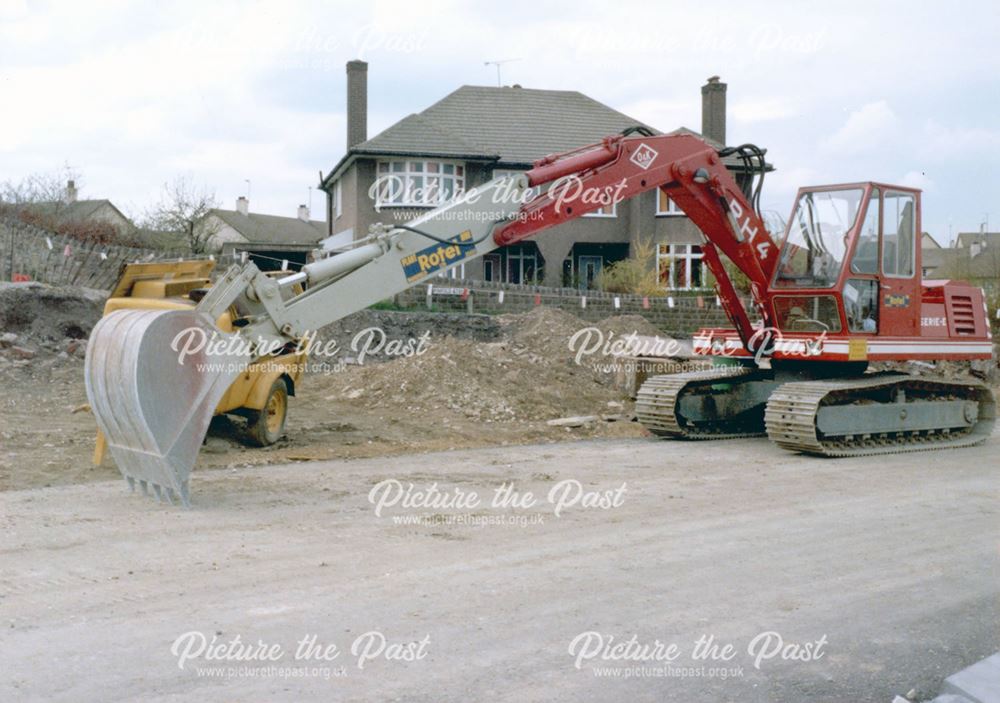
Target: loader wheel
265 427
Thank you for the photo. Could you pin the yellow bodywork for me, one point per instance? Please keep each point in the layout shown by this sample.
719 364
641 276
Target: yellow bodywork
166 286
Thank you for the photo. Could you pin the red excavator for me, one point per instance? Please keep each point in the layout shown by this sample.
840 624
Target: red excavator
842 290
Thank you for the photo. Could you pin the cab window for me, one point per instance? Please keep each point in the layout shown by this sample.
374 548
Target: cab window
815 246
899 234
861 305
865 259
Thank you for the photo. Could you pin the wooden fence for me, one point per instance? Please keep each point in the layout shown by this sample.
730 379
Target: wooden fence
30 253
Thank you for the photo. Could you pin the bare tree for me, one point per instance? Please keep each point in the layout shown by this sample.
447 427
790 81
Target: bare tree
45 200
183 210
48 188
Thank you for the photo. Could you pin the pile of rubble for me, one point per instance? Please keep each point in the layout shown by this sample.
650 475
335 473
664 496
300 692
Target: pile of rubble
41 324
535 371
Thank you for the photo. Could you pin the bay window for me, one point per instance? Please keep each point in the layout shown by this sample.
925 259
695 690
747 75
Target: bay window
418 183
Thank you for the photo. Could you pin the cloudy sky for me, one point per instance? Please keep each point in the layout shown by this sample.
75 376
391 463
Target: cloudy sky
132 94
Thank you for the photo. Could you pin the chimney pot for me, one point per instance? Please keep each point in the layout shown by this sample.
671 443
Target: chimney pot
243 205
713 110
303 213
357 102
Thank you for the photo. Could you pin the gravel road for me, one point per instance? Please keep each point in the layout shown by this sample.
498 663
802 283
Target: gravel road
829 580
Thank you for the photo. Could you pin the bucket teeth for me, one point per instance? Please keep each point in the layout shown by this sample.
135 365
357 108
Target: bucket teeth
152 405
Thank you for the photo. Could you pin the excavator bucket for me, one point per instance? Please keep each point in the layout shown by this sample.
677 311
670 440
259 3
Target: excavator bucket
154 378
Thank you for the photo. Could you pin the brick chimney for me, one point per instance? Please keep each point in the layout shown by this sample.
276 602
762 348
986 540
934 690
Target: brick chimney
71 193
303 213
357 102
243 205
713 110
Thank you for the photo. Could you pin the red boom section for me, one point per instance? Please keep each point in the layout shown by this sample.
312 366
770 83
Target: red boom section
690 172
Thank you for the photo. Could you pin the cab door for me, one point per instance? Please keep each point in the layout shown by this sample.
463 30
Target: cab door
900 282
861 289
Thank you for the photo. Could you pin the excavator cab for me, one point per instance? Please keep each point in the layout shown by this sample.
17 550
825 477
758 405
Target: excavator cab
849 262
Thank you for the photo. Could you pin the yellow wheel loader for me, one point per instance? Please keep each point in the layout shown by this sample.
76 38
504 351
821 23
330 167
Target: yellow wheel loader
260 392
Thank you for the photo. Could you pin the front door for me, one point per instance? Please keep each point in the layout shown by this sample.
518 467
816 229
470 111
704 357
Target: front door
589 267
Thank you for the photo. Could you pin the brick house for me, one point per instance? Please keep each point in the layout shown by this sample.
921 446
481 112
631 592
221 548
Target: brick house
477 133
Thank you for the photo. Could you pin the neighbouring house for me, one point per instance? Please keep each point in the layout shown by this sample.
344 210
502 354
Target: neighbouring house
477 133
268 239
975 258
932 254
71 215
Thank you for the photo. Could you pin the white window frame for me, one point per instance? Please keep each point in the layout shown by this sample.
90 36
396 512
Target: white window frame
672 209
457 271
520 256
601 212
681 254
337 201
419 168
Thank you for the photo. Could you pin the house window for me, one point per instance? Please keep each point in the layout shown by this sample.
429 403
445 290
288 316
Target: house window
680 266
337 210
665 205
457 271
605 211
418 183
522 264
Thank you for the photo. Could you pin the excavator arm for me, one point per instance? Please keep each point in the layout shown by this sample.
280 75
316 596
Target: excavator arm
687 170
154 377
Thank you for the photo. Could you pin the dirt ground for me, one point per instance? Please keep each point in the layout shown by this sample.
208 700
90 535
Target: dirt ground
481 382
890 562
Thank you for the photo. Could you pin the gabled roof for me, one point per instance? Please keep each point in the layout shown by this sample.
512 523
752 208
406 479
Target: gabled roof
927 241
76 211
956 263
966 239
510 126
708 140
272 229
416 134
521 125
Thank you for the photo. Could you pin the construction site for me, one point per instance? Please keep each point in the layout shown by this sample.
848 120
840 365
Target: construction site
549 404
725 533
